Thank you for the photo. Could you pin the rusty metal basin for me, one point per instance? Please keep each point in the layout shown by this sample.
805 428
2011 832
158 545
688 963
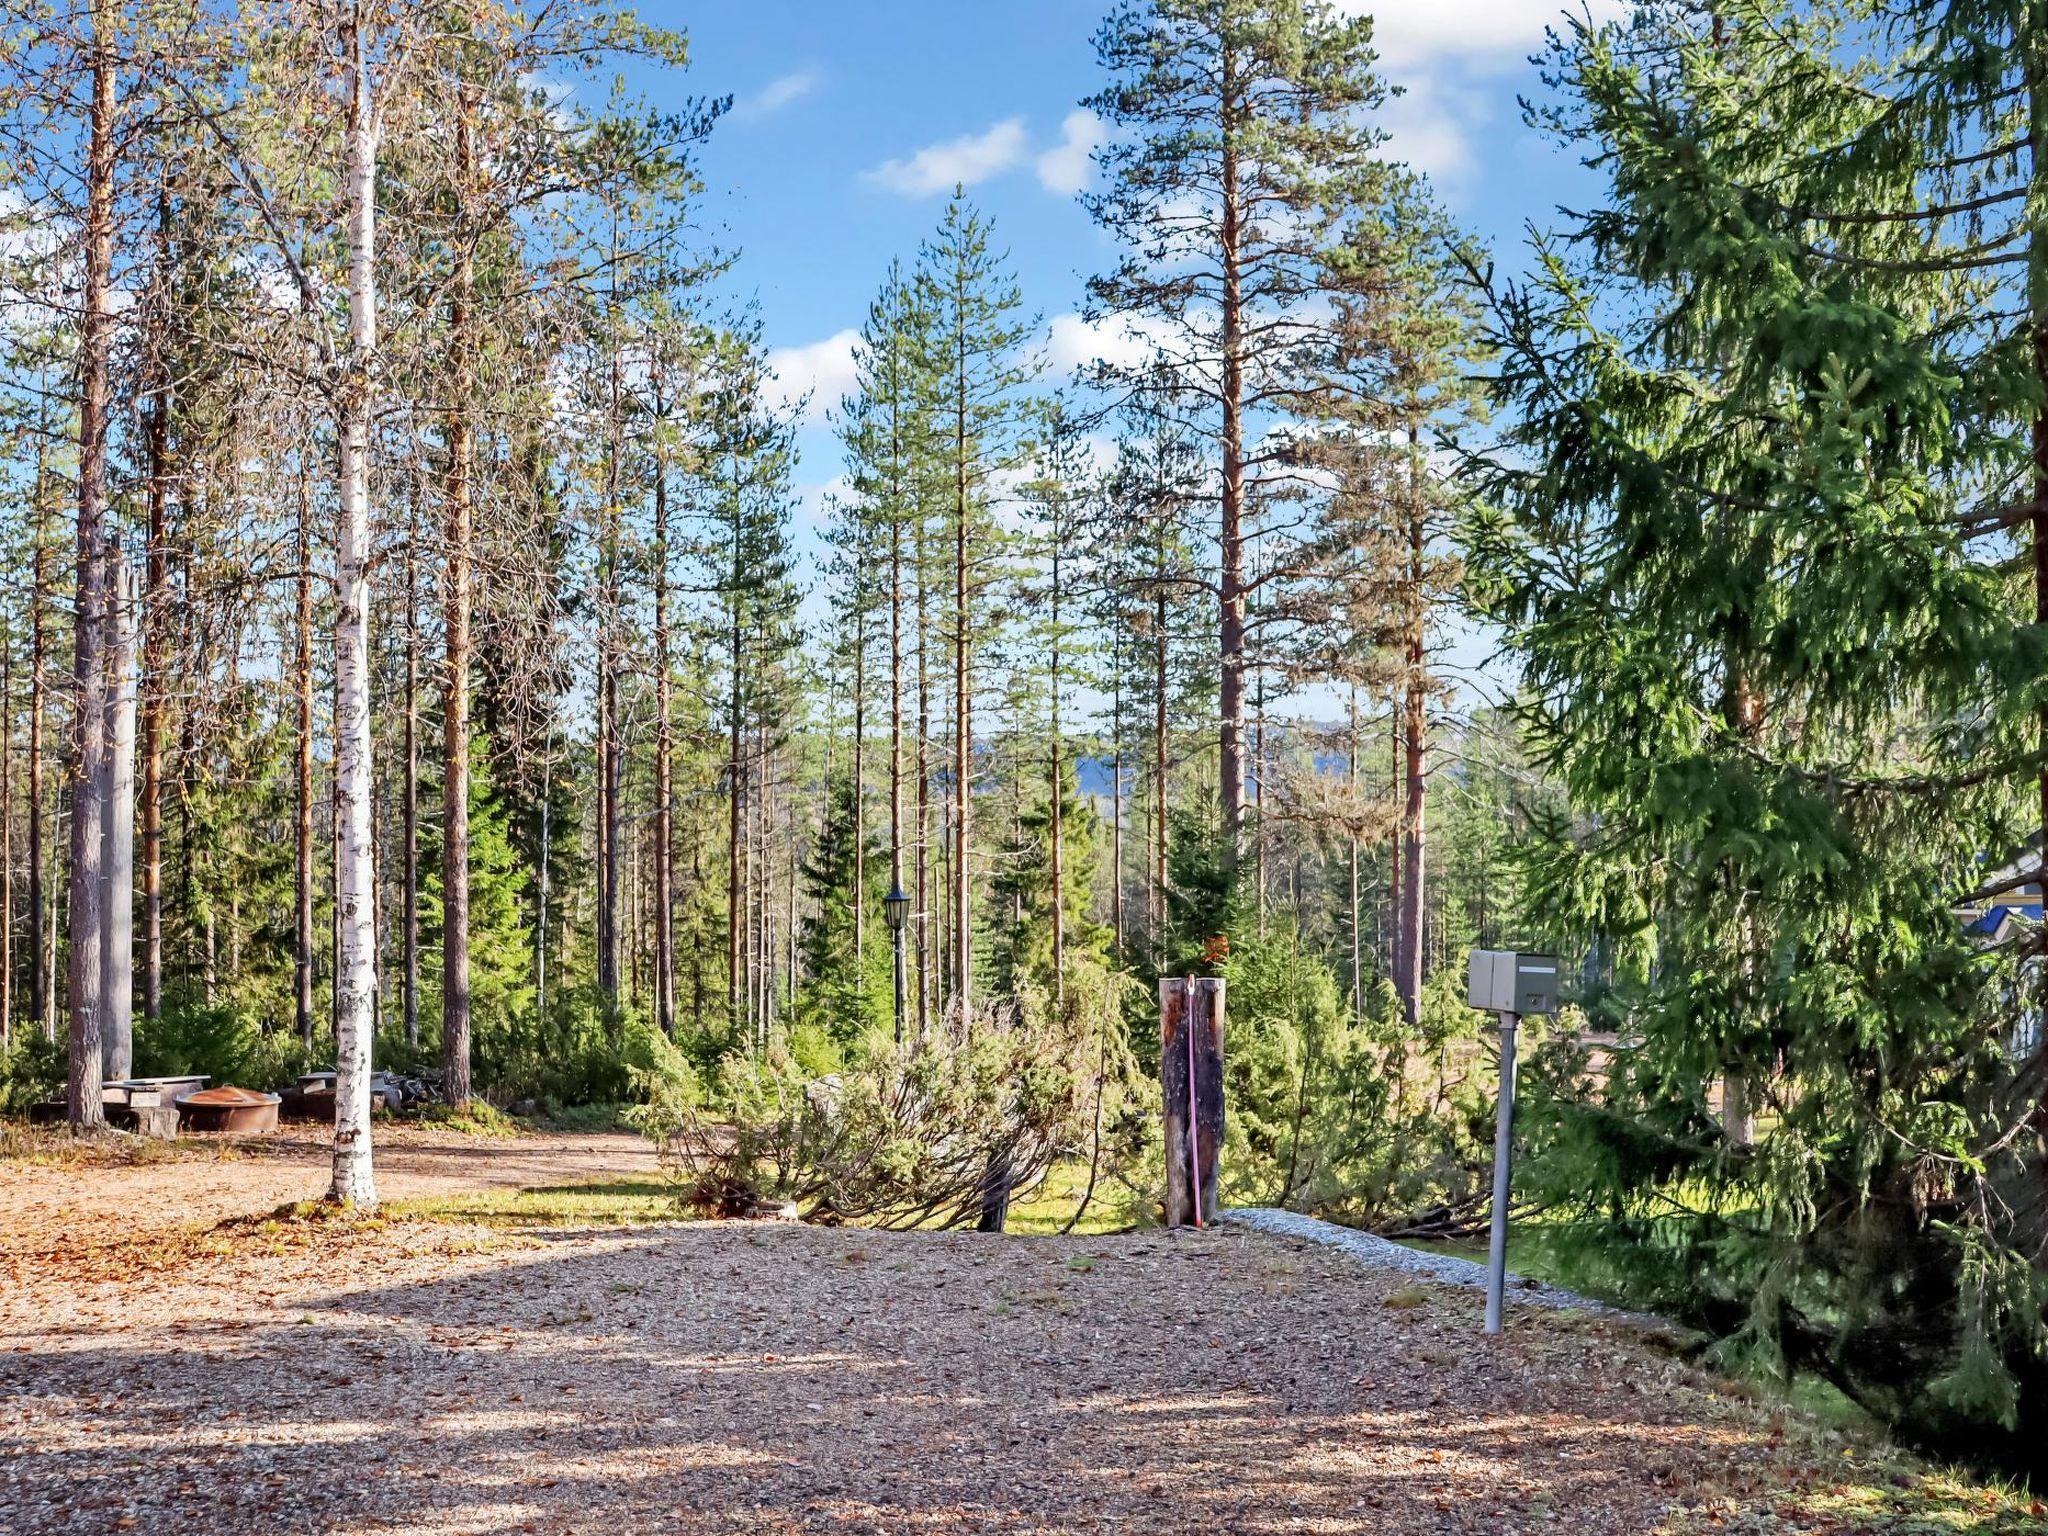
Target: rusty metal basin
229 1108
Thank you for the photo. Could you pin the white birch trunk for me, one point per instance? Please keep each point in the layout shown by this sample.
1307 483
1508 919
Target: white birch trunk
86 1063
117 828
355 970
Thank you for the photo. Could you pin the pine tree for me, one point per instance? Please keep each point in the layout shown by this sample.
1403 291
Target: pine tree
1244 131
1393 383
1058 498
748 565
1147 509
978 368
886 427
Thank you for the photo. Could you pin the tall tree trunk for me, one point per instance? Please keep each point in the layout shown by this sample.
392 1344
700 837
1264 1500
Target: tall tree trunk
737 993
963 702
610 758
763 886
41 1002
924 789
1351 849
187 844
636 933
1059 866
896 938
7 837
860 733
1159 764
1395 884
156 618
117 825
355 978
790 870
455 597
608 664
2037 299
302 678
89 768
606 934
1259 801
1231 588
1116 806
1415 742
409 811
664 747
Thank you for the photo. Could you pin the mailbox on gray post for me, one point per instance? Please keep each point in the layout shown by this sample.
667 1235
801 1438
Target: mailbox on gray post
1507 984
1507 981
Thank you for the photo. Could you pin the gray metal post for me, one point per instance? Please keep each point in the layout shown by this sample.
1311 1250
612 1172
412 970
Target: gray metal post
1503 1153
896 940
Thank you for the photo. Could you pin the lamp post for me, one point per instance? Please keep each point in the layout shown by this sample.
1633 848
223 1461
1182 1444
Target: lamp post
896 908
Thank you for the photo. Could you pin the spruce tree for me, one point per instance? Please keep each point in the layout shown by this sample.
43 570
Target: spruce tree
1775 423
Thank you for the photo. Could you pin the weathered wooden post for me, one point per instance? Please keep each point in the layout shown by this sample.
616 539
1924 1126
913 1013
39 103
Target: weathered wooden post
1191 1070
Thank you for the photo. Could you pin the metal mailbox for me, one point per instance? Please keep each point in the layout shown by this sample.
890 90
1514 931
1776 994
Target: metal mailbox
1507 981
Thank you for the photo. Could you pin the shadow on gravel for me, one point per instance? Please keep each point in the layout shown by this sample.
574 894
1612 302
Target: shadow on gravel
743 1378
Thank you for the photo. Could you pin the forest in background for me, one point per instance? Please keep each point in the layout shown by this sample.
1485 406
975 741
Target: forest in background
652 755
385 454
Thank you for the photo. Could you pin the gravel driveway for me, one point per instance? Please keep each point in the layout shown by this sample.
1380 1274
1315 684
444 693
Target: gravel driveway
424 1376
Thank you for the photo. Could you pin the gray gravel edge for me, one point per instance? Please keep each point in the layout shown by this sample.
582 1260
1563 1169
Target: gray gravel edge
1443 1268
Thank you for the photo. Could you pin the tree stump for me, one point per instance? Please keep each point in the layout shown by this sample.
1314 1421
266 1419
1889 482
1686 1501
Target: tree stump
1191 1070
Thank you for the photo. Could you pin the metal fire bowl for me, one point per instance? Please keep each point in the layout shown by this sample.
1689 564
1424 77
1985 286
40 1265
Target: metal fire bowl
232 1110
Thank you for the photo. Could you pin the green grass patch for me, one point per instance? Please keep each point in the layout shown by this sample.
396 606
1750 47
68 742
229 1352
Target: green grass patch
1876 1494
476 1118
1529 1254
602 1203
586 1119
1044 1211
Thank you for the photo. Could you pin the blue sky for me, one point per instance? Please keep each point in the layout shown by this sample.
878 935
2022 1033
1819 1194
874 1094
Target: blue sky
853 118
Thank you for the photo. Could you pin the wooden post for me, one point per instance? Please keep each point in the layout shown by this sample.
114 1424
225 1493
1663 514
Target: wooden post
1191 1009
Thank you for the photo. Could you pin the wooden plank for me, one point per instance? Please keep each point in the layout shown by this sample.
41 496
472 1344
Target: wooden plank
1191 1007
1173 1077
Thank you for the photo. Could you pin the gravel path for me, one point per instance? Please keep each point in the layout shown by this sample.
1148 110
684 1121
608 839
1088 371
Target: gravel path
1441 1268
431 1377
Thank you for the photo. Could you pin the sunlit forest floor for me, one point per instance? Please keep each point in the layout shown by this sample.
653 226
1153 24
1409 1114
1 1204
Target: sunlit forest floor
522 1341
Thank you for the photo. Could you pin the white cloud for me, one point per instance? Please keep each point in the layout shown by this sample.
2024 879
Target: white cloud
1437 52
782 91
962 161
558 94
1078 342
815 501
822 369
1427 127
1065 168
1410 34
